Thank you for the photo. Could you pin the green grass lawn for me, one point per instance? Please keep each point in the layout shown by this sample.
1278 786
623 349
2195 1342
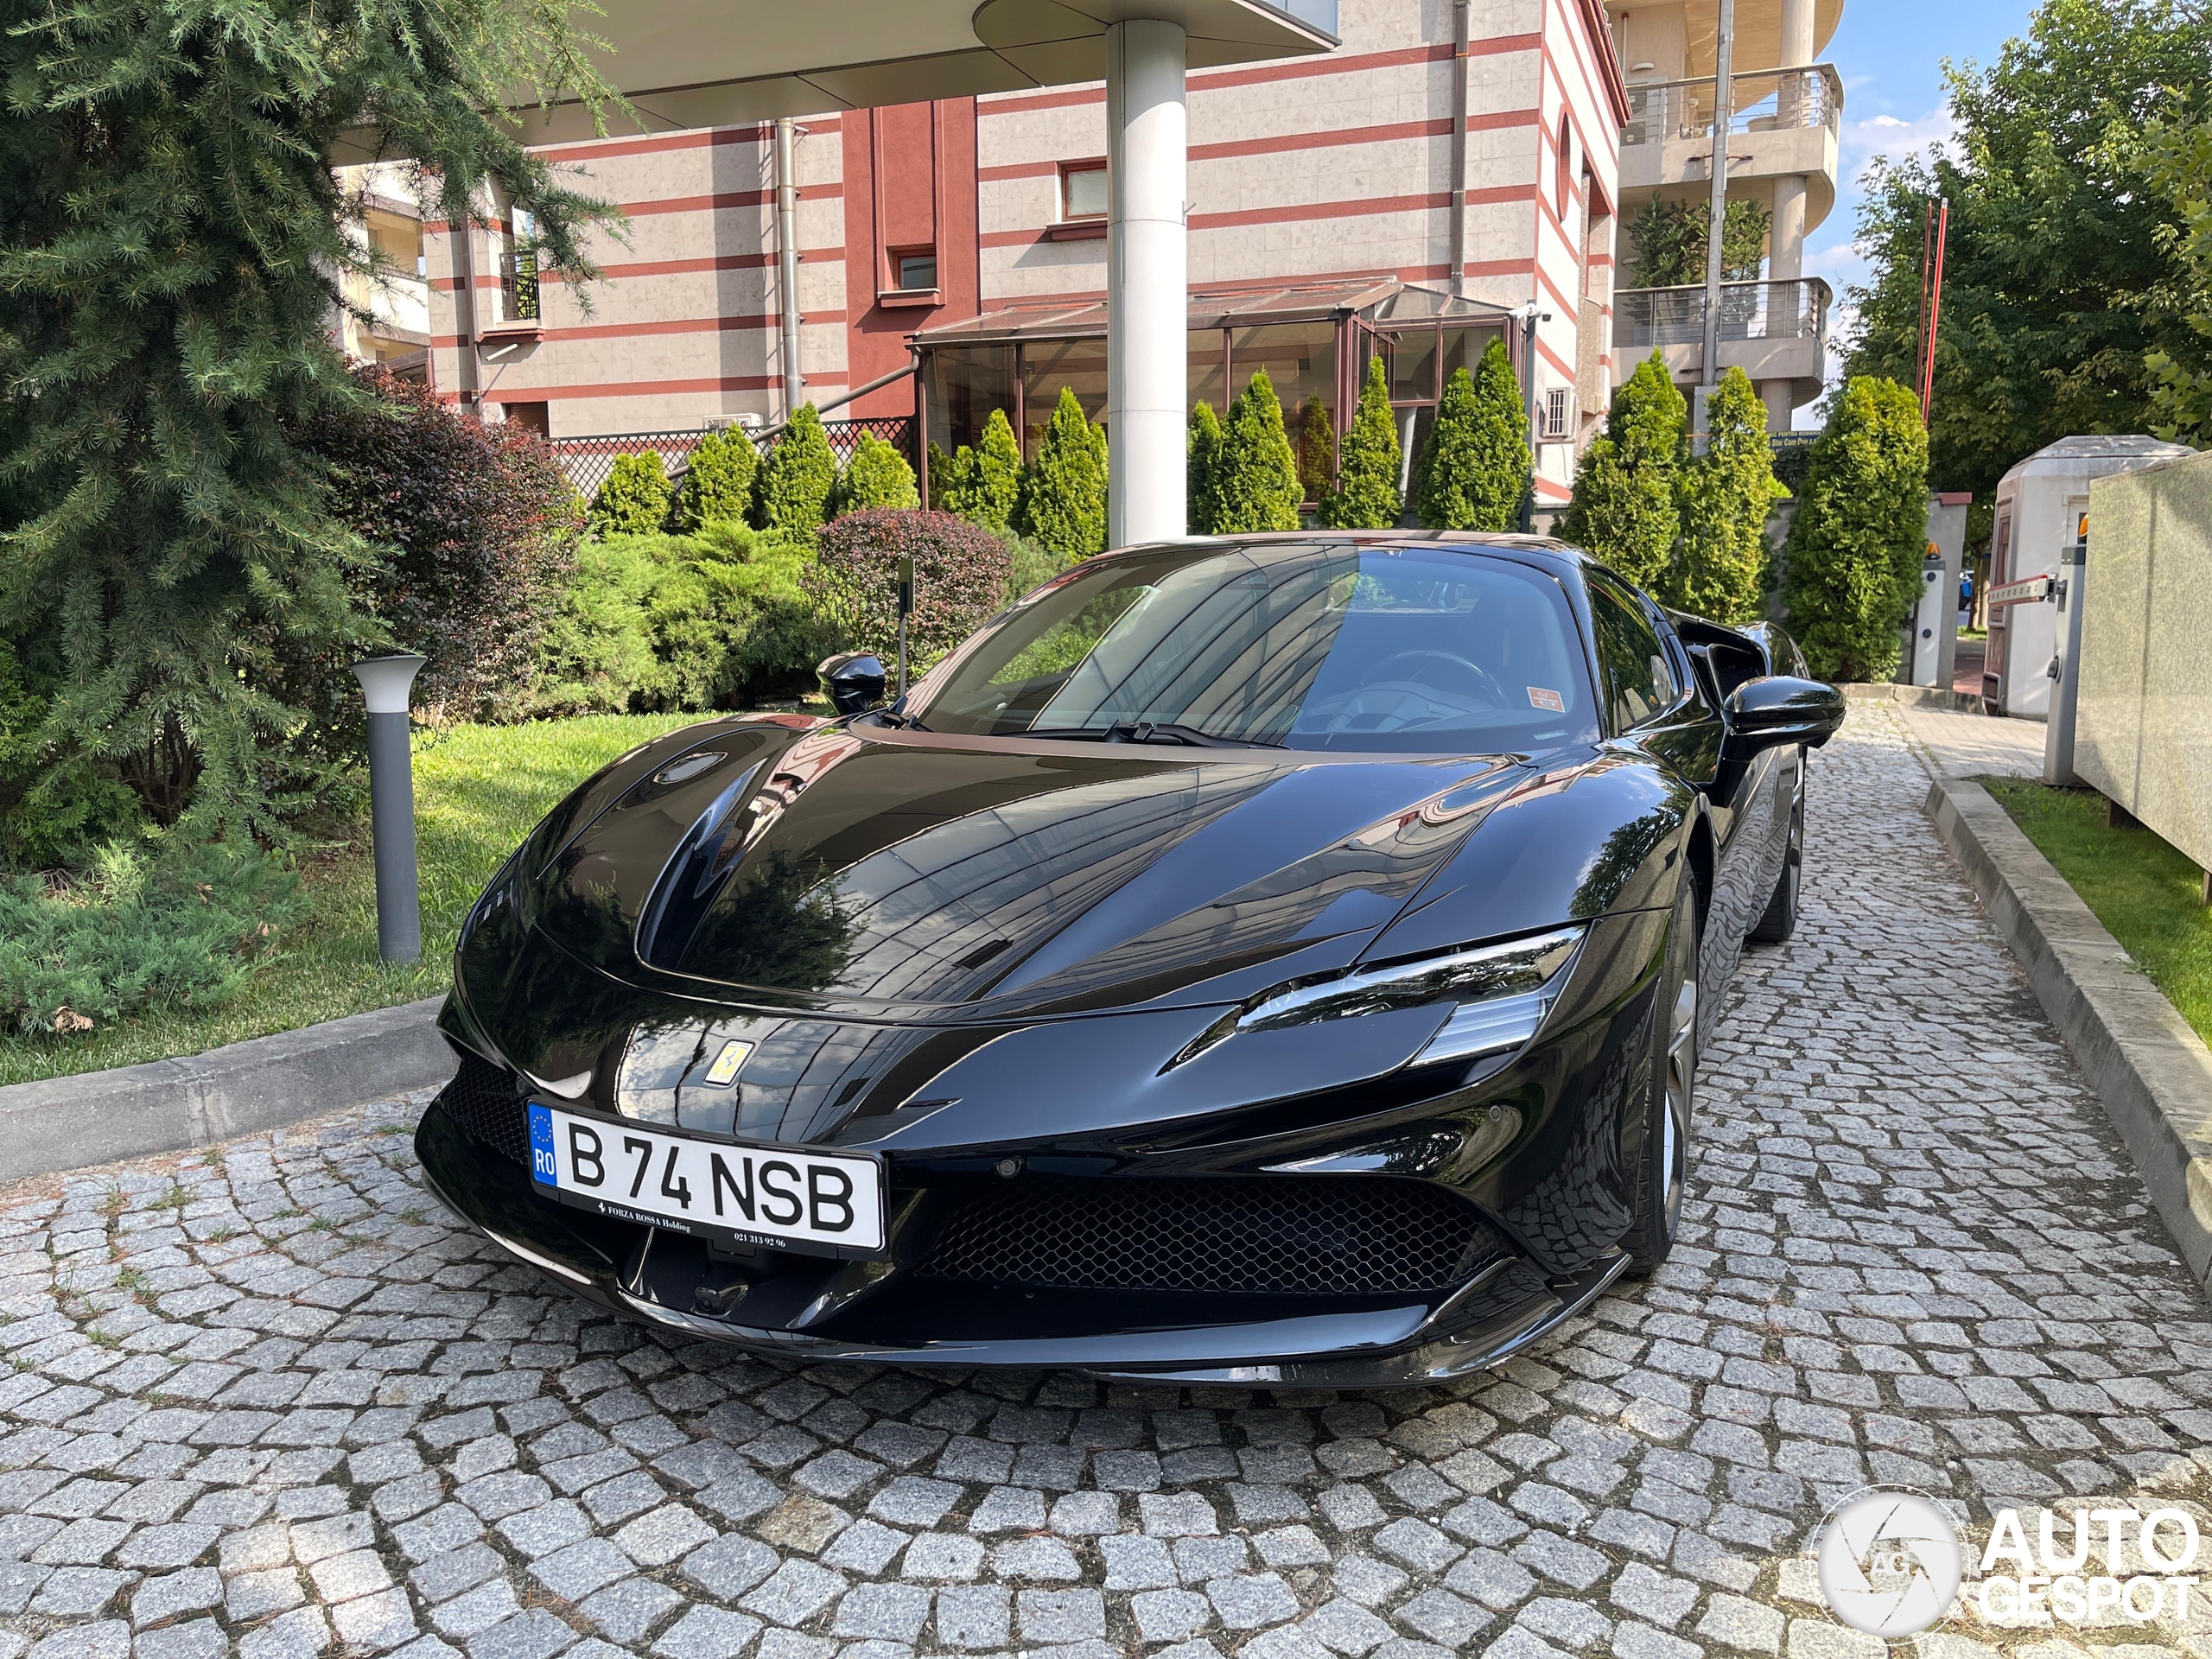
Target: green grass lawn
2147 895
478 789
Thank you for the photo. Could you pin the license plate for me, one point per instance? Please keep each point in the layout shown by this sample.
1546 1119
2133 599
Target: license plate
784 1197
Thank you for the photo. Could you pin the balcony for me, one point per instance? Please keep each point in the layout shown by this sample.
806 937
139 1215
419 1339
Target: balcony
1772 331
1781 122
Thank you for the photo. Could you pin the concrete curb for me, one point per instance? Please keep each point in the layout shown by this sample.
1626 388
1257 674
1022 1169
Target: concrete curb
2152 1071
1919 697
265 1083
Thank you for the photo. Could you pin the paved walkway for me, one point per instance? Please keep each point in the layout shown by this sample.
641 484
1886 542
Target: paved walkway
1976 746
273 1399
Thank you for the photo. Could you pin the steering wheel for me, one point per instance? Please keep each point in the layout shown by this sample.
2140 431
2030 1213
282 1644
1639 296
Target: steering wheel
1483 685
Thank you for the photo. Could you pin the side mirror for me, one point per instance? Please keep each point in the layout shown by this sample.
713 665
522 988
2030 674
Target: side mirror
853 680
1779 710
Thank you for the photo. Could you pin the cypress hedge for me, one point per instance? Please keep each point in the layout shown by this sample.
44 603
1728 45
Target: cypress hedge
718 482
1857 540
1062 500
799 478
1202 497
635 499
1725 496
1256 485
1624 509
1367 496
876 476
1476 467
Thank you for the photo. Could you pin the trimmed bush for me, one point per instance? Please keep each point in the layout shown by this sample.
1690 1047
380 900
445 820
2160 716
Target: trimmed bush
1367 496
595 656
184 930
1476 467
1201 485
961 574
636 498
1624 509
1258 487
1062 501
1725 495
718 482
798 478
478 527
1856 542
1030 566
876 476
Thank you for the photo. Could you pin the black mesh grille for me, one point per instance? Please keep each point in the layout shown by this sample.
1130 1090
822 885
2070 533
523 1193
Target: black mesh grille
483 1100
1285 1235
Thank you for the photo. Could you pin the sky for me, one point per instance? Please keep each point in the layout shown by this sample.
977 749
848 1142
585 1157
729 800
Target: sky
1890 54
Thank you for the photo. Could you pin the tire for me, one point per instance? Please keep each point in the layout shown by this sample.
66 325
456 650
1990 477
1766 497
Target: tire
1780 919
1662 1168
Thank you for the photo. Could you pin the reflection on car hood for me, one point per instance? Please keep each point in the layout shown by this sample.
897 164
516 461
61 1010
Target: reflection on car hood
905 875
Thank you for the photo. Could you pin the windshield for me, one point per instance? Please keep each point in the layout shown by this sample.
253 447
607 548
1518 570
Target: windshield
1417 649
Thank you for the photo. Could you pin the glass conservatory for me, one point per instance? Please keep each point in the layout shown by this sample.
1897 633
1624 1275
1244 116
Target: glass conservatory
1314 342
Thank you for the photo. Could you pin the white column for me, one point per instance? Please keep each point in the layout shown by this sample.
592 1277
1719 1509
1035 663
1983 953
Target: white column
1785 246
1147 303
1796 33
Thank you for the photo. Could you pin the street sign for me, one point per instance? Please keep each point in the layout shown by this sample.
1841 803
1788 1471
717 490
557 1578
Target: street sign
2024 591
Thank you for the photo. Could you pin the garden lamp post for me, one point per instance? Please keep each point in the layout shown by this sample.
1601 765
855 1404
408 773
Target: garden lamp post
385 683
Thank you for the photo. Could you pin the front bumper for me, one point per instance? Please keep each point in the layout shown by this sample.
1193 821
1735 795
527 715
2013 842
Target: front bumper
827 1310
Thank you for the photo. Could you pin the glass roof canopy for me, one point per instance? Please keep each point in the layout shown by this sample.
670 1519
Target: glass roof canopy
1313 341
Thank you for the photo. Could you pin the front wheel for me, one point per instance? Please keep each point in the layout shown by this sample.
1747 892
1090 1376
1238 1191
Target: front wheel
1663 1168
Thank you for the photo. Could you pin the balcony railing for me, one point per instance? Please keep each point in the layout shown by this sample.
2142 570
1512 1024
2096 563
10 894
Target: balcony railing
1645 317
1774 101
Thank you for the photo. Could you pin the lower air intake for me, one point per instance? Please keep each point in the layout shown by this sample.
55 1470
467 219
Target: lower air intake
1267 1235
486 1102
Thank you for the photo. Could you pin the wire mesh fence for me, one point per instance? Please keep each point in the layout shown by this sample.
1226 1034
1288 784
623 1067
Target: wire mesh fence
587 461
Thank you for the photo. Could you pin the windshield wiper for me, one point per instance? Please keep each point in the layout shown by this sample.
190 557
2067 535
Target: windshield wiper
1147 731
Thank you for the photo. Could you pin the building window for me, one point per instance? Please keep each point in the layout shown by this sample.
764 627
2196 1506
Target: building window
1558 419
915 269
1082 191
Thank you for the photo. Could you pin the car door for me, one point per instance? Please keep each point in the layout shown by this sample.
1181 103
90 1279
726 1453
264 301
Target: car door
1657 700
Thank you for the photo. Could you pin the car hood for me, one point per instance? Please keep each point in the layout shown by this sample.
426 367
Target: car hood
887 874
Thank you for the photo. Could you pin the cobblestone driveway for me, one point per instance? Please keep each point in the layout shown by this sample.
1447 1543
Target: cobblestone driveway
273 1400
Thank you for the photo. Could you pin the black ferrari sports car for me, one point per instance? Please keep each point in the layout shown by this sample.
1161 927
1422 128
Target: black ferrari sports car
1278 959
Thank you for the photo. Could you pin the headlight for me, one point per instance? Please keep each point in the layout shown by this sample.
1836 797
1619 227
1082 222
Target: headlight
1502 993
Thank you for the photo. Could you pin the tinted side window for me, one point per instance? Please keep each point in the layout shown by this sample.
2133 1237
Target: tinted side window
1632 658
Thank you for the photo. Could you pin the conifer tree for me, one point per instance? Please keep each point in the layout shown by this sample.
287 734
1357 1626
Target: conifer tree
1725 495
1256 485
1367 496
997 479
1623 510
876 476
1317 450
1855 543
1476 466
1203 481
950 478
798 478
718 481
174 245
1062 501
634 500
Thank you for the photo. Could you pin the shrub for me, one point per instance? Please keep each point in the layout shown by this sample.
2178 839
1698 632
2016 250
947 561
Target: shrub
1030 565
718 481
1624 509
876 476
961 572
951 478
798 480
1476 467
1202 485
1257 485
1317 450
1367 496
1062 500
480 525
1855 544
1725 495
636 497
183 930
53 808
716 620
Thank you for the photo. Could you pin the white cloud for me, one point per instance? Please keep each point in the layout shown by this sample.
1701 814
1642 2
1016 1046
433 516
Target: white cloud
1885 134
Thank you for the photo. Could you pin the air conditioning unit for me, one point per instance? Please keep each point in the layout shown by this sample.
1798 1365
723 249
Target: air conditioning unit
1558 413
